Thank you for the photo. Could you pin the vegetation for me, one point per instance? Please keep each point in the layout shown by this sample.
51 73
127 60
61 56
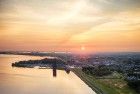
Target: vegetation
133 80
105 86
41 63
135 85
101 70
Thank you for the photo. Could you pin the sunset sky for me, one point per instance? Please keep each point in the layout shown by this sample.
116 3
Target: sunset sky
70 25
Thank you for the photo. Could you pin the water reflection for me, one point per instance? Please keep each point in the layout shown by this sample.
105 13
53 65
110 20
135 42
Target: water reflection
37 81
54 68
54 72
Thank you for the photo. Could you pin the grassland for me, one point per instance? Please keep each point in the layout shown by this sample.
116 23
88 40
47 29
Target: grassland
105 85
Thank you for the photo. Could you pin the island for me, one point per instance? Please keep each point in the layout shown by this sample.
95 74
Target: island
46 63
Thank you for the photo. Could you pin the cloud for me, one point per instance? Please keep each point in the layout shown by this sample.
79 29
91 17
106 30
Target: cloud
58 22
116 6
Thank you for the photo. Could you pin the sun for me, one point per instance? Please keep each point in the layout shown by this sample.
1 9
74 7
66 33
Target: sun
82 48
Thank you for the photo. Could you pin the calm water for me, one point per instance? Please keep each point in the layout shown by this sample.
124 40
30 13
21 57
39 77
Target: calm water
37 81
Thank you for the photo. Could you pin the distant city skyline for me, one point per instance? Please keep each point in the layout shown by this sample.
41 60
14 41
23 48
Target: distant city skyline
70 25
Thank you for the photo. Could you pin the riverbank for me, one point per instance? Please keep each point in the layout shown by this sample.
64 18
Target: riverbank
104 86
90 83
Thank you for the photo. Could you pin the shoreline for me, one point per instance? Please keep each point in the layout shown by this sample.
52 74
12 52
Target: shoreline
87 82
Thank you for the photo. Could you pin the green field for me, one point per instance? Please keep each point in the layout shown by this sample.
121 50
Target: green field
105 85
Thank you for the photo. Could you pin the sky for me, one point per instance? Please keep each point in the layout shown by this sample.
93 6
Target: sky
70 25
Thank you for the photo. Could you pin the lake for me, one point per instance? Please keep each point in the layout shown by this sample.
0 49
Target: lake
37 81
